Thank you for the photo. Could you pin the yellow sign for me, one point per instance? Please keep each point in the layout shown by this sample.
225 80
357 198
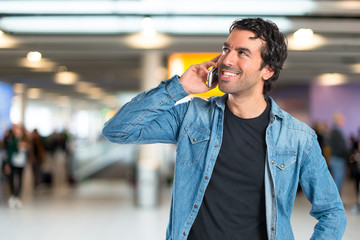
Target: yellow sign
179 62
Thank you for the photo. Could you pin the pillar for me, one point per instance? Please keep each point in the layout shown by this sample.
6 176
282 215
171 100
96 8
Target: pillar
148 164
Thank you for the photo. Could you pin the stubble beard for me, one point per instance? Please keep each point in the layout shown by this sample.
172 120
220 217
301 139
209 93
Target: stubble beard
241 86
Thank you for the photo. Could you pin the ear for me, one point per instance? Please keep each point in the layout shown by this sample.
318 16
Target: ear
267 72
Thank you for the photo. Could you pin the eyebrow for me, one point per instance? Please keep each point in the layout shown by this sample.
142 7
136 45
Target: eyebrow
239 48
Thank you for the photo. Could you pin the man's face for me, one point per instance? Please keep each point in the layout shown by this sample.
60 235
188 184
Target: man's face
239 65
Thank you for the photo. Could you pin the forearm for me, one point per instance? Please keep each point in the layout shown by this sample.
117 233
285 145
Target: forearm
323 194
331 225
146 117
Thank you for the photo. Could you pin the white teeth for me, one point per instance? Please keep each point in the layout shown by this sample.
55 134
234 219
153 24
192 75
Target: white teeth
229 74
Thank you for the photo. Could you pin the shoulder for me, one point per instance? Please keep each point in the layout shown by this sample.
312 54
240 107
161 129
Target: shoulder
290 122
293 123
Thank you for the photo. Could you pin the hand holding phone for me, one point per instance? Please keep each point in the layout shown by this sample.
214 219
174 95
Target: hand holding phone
212 77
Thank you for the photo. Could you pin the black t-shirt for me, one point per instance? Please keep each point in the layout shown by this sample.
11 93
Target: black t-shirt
234 203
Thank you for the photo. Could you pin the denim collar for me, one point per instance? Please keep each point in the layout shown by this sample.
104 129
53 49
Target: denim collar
275 109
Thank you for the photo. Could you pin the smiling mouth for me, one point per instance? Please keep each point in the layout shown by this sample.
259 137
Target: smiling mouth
229 74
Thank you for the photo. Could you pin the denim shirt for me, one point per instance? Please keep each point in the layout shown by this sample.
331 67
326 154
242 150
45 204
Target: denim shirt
196 127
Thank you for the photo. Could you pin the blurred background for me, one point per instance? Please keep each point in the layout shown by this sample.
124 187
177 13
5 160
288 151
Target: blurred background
67 66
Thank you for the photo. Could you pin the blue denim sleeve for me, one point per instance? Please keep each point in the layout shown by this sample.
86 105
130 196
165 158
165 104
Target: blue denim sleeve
321 191
150 117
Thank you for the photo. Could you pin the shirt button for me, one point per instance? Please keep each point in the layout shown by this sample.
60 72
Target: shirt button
272 229
195 139
273 196
195 206
184 233
206 178
272 162
282 165
216 146
268 132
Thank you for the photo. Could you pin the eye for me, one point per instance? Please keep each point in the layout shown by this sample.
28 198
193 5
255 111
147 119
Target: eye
243 53
225 50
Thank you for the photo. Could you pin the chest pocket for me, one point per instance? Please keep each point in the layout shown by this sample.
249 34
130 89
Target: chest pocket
192 145
284 171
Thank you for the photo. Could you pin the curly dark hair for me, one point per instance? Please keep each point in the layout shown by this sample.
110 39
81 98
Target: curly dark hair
274 53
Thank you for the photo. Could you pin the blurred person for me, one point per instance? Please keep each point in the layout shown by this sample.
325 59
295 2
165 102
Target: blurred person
2 156
2 164
322 132
17 145
355 163
67 149
339 150
353 150
239 157
54 141
319 130
11 148
53 146
38 157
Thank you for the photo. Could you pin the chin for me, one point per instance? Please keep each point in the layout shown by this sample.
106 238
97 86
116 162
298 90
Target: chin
224 87
224 90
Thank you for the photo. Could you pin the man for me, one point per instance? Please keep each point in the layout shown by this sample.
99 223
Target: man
239 157
339 150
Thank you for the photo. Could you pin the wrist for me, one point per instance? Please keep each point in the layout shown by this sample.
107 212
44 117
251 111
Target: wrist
176 89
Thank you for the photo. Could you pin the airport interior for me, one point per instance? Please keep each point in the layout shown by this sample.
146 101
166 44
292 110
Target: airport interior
66 67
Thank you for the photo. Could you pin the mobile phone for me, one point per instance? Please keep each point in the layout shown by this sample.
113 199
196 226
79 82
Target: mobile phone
212 77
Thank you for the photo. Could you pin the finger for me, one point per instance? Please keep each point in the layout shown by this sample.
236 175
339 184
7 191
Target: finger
212 62
204 66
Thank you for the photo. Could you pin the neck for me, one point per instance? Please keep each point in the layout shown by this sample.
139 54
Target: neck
246 107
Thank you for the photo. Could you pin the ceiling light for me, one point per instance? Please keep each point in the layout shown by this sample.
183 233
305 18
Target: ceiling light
44 65
34 93
7 41
19 88
33 56
304 34
148 38
65 77
140 40
355 68
148 28
305 39
331 79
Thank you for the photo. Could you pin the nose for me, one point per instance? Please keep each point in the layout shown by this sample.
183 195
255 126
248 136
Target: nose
228 59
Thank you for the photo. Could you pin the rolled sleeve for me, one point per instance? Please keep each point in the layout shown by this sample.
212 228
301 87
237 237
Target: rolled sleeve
175 89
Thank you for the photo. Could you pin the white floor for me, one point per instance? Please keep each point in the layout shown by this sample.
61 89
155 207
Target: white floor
105 209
